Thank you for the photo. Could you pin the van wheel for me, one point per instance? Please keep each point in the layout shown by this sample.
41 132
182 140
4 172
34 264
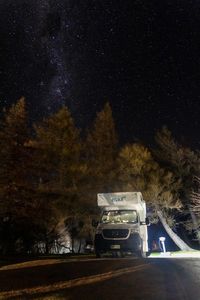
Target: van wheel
141 254
114 254
148 253
98 254
144 255
122 254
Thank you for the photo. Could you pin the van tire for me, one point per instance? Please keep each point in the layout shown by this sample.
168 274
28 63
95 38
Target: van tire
122 254
141 253
98 254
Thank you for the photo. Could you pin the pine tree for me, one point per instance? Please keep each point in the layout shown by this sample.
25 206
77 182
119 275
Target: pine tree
15 176
57 151
135 167
57 167
101 151
138 171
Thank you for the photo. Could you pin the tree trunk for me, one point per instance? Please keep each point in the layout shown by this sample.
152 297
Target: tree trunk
177 240
195 224
72 239
79 248
46 247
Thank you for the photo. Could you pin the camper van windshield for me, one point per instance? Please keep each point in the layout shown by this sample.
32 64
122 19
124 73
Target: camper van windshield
119 216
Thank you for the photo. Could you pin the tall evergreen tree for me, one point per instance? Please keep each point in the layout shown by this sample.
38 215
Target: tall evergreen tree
15 176
136 166
101 152
57 168
57 151
138 171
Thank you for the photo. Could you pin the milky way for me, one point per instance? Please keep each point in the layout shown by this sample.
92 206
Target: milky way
52 24
141 56
37 63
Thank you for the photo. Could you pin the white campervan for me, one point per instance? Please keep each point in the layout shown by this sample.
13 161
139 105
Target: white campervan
123 224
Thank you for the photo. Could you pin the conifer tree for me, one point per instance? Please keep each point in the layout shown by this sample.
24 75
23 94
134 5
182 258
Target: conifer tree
101 152
138 171
57 152
57 168
15 176
136 166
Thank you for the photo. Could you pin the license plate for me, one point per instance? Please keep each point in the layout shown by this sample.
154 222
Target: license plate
115 247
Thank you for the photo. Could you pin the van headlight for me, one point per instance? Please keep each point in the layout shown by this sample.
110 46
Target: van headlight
134 230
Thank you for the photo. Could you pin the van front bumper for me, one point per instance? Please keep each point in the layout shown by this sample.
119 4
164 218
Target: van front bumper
131 244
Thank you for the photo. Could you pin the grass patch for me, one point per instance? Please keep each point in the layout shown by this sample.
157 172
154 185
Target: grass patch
192 253
185 252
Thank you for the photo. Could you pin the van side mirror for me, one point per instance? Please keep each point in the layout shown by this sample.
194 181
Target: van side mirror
94 223
147 222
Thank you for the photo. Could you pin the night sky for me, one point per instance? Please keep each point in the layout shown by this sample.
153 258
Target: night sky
143 56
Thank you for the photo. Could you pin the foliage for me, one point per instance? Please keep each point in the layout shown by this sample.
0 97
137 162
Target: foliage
185 165
57 149
57 152
182 161
195 207
100 154
139 171
196 197
49 179
15 178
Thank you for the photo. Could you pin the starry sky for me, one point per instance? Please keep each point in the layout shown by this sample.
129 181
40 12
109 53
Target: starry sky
143 56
